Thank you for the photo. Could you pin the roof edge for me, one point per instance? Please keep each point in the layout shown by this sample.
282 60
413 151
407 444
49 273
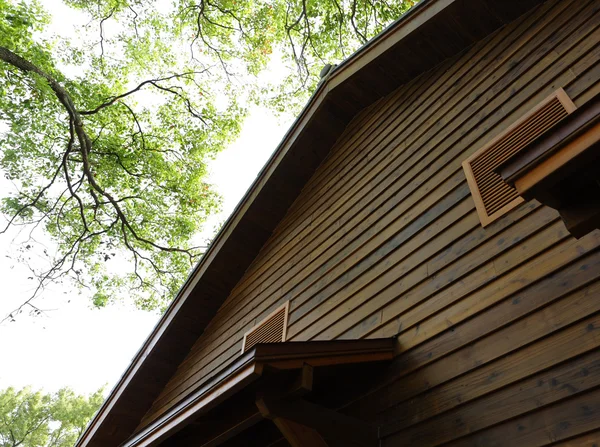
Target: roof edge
194 276
246 369
420 15
334 78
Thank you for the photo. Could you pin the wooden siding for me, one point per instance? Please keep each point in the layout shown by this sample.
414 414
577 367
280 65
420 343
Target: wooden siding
494 197
498 328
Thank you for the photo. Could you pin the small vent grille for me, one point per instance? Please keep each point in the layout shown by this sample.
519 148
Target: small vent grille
271 330
493 197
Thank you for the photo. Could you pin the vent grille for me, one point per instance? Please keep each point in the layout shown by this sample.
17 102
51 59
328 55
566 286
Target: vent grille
271 330
493 197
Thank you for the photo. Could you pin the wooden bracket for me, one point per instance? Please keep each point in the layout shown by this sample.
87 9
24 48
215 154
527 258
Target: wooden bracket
303 383
286 386
298 435
300 419
228 406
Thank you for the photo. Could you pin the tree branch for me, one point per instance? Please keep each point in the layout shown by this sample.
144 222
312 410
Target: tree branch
80 141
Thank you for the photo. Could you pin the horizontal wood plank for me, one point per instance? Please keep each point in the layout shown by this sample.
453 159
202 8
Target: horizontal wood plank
384 241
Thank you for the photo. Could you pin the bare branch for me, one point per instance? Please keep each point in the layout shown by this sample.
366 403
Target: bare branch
34 202
360 35
134 21
110 101
80 143
104 19
185 100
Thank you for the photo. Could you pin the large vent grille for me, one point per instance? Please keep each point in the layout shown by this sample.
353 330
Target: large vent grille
271 330
493 197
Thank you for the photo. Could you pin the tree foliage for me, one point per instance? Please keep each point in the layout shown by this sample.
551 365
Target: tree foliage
35 419
108 135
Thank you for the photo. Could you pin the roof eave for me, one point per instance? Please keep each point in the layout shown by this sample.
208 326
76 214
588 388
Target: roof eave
322 120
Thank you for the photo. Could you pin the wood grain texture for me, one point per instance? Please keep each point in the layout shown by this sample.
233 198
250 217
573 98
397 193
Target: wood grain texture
586 440
492 196
384 240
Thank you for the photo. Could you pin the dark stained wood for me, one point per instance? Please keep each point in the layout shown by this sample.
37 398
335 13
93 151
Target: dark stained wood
495 330
566 419
219 426
244 372
552 141
583 217
536 391
363 224
415 115
560 169
493 197
340 202
579 274
298 435
228 433
478 356
264 433
586 440
317 422
356 255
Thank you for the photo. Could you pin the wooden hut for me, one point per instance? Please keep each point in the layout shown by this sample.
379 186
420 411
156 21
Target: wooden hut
416 265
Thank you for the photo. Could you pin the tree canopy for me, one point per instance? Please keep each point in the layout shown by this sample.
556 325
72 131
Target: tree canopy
34 419
107 134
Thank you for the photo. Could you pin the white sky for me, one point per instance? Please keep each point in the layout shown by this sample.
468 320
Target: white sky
85 348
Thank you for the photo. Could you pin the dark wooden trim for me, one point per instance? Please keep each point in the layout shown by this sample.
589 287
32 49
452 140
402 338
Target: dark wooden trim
327 423
242 414
424 11
560 169
250 366
474 186
200 402
354 85
582 121
233 431
562 155
299 435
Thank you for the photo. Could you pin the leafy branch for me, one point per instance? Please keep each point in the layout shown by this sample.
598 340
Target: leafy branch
80 143
111 163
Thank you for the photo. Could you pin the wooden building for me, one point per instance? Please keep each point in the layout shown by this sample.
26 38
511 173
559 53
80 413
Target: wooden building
421 251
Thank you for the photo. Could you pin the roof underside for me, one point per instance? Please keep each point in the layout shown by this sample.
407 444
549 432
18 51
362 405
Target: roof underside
257 363
428 34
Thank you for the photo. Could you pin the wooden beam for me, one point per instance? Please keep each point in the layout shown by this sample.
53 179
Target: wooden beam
213 433
560 169
299 435
581 218
554 150
329 424
274 357
225 425
303 383
233 431
558 160
202 401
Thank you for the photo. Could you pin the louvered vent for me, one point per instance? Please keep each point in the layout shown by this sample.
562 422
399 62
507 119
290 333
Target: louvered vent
493 197
271 330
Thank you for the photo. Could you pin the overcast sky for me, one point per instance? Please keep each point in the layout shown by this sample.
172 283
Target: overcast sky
84 348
